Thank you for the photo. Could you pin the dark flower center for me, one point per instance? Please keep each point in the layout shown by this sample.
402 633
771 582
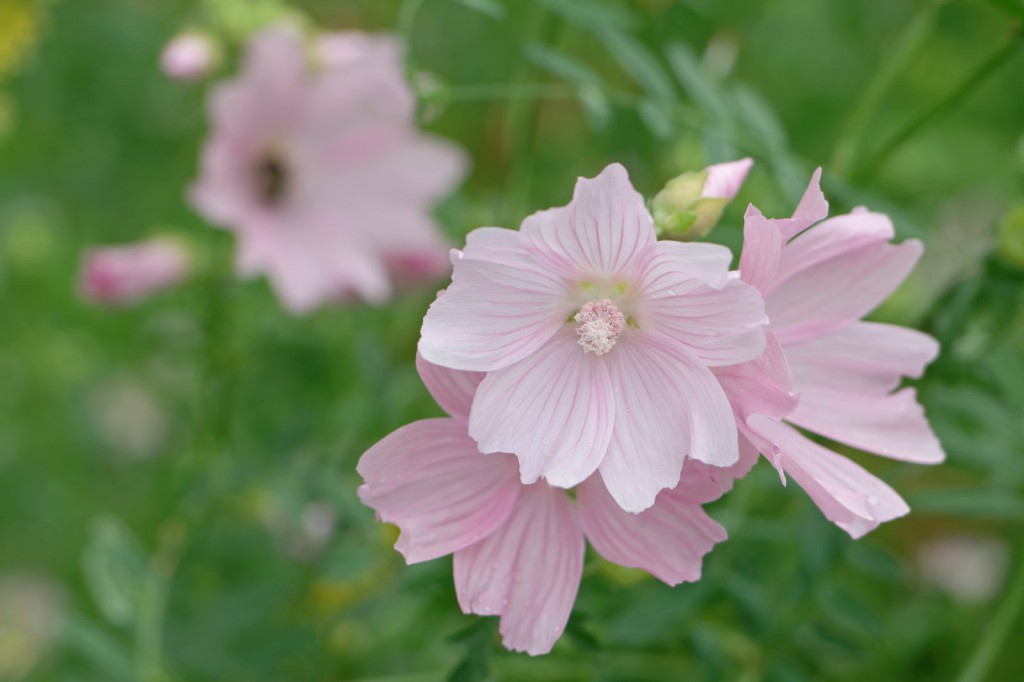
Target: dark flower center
272 179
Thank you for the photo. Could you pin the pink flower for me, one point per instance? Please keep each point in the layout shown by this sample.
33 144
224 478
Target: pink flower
725 179
597 342
120 275
320 172
818 283
518 549
188 56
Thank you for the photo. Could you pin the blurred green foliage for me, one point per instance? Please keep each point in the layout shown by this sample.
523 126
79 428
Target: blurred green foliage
181 474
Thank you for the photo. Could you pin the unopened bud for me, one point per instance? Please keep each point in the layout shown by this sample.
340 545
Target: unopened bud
692 203
121 275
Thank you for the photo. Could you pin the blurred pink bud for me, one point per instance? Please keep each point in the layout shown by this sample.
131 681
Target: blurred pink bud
120 275
188 56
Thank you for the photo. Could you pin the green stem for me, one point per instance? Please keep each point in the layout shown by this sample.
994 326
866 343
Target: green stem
993 638
907 45
943 106
153 603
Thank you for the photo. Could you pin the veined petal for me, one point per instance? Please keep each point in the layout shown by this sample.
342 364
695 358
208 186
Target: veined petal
669 540
848 495
721 326
668 406
761 385
888 425
528 571
492 316
554 410
832 238
668 265
451 388
428 479
864 357
598 234
725 179
831 294
701 483
762 249
812 208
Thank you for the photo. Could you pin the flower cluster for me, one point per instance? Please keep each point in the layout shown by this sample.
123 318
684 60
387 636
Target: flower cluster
581 354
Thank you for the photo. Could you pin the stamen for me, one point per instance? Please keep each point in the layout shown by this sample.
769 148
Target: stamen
272 179
600 324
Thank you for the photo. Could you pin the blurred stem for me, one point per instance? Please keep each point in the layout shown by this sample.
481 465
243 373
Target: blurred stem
521 128
906 47
993 638
943 106
406 23
153 603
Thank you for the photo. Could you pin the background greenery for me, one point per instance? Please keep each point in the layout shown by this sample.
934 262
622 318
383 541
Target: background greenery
177 485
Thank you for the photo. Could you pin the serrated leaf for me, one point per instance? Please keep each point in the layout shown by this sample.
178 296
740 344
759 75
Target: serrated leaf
114 567
640 63
696 81
491 8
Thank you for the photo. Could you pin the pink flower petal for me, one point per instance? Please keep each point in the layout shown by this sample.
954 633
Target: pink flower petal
761 385
721 326
725 179
429 479
669 540
812 208
702 483
668 406
831 294
492 316
762 249
599 234
888 425
554 410
668 264
848 495
528 571
864 356
452 389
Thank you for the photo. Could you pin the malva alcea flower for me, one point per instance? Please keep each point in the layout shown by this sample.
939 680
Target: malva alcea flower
596 340
818 283
320 172
692 203
518 549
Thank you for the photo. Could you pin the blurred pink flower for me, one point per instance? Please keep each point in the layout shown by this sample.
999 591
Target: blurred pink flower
188 56
818 283
597 341
120 275
518 549
320 172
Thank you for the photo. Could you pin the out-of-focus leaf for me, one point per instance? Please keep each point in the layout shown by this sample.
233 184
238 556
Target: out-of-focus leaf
596 107
1014 7
640 63
592 14
696 81
109 655
492 8
758 118
977 503
475 666
562 65
114 567
656 118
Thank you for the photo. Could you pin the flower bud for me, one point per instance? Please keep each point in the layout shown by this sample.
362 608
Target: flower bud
121 275
692 203
189 56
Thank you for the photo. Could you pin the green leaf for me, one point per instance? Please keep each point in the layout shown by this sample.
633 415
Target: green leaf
114 567
640 63
491 8
591 14
562 65
106 653
657 118
696 81
758 119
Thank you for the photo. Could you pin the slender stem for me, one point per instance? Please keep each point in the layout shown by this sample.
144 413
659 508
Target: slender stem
907 45
993 638
406 22
943 106
153 603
